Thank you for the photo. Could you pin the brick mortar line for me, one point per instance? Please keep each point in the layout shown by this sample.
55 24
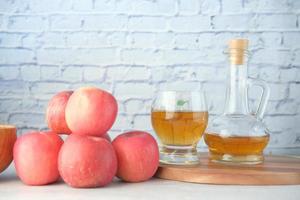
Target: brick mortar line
28 31
213 31
92 12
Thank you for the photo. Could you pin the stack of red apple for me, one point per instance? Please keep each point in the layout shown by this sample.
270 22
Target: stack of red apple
87 158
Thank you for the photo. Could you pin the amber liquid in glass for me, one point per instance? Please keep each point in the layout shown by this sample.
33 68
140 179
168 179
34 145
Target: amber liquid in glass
180 128
235 145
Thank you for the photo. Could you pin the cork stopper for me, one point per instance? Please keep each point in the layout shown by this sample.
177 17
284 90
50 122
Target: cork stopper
237 49
241 44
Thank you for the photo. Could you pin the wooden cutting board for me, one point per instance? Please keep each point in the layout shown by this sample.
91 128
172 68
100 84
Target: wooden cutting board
276 170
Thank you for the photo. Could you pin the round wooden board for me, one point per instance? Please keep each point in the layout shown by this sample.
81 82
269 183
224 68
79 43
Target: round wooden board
276 170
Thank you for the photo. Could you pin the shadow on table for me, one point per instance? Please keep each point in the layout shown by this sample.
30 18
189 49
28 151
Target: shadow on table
6 179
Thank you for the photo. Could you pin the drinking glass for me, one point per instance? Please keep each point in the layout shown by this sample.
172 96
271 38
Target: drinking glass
179 119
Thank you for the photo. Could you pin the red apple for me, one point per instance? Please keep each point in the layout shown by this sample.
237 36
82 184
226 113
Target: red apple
55 114
35 157
138 156
8 137
91 111
87 161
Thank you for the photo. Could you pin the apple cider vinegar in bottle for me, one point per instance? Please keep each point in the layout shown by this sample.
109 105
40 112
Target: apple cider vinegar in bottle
238 136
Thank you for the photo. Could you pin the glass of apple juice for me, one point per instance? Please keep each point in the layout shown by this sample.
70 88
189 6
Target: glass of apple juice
179 118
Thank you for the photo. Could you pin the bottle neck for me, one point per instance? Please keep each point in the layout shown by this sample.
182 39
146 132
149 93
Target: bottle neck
236 94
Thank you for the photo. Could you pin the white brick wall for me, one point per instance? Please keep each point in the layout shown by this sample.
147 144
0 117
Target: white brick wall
133 48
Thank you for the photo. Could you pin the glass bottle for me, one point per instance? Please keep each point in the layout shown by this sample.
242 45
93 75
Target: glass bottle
238 136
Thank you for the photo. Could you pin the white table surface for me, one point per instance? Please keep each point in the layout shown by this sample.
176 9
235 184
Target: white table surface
12 188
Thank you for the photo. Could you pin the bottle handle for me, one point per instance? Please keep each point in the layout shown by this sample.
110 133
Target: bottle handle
264 96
